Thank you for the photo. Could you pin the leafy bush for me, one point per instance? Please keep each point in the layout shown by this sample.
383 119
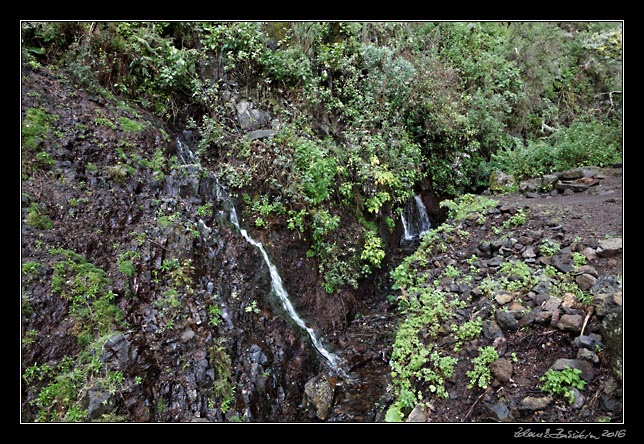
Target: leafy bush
317 169
466 205
372 252
585 142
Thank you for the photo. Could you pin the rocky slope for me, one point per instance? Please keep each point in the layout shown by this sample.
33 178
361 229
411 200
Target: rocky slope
141 301
133 275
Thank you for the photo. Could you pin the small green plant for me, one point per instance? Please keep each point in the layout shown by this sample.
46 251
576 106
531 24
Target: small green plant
35 127
579 259
466 205
472 259
566 285
227 402
29 338
263 208
161 406
516 276
585 298
36 373
214 315
297 220
466 332
562 382
260 222
549 248
451 272
488 285
205 210
87 287
129 125
102 120
31 267
390 223
516 220
550 271
44 160
372 252
125 263
119 172
481 375
252 308
37 218
26 308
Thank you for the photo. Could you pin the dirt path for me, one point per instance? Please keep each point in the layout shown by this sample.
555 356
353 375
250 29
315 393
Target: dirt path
596 213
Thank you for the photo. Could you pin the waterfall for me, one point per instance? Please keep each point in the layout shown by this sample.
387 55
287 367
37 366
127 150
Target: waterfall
415 219
334 361
279 290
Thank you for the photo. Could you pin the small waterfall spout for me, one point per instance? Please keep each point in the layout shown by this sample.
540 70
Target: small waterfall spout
415 219
186 156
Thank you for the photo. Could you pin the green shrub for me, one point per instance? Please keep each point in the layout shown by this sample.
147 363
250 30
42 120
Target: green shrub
466 205
585 142
372 252
37 218
35 126
317 170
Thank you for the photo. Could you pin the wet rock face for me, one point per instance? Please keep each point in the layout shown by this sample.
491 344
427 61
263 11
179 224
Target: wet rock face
611 330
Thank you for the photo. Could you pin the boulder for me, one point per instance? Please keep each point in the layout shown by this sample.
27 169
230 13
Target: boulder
319 392
571 323
500 181
609 247
587 371
418 414
532 403
501 369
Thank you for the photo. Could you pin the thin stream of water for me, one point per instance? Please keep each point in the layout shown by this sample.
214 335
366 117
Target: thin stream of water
279 290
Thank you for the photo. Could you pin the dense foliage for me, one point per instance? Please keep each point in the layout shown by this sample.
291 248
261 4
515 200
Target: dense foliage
362 111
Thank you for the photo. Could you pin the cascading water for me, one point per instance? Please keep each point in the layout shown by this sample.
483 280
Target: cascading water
334 361
415 219
279 290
